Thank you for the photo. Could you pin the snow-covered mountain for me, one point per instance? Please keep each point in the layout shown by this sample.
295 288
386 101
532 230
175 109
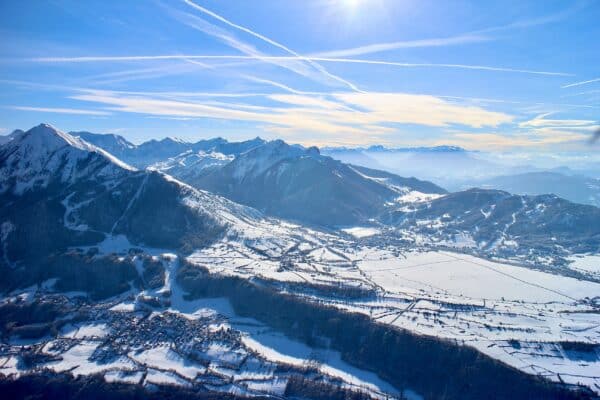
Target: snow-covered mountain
44 156
300 184
112 274
498 223
54 185
189 165
160 151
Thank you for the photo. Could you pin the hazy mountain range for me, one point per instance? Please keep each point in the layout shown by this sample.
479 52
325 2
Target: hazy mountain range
456 169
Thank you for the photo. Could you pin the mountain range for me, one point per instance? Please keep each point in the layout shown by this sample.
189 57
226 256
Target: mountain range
282 180
113 269
570 186
301 184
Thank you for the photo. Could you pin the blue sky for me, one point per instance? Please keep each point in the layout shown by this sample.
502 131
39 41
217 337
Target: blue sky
491 75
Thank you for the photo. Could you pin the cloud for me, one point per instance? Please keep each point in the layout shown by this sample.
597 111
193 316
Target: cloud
139 74
538 21
60 110
543 131
580 83
422 110
289 58
502 142
540 122
553 129
380 47
473 37
537 133
277 85
272 42
434 65
312 102
357 115
594 91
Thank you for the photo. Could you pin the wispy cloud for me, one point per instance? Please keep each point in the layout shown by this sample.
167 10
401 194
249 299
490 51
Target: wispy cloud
423 110
582 93
277 85
540 20
544 131
434 65
501 142
322 116
380 47
138 74
466 38
272 42
60 110
541 122
291 58
580 83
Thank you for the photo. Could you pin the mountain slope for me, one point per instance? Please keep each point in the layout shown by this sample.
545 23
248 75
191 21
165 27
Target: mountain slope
53 185
116 145
500 223
400 183
190 165
300 184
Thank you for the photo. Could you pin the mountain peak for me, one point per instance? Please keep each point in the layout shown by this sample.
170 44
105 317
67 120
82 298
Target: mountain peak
45 137
44 154
172 139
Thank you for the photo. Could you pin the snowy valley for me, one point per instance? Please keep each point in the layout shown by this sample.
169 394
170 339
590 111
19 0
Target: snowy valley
262 269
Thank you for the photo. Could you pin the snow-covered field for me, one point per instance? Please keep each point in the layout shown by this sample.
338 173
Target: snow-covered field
586 263
467 276
360 232
514 314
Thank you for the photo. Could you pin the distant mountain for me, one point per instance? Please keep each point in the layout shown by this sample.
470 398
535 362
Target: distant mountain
573 187
447 166
114 144
384 149
434 149
153 151
301 184
156 151
8 138
503 224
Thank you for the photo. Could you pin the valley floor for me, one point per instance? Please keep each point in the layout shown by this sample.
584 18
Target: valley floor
542 324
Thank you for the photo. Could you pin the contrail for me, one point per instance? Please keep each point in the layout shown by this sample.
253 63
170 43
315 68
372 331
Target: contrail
379 47
580 83
273 43
291 58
